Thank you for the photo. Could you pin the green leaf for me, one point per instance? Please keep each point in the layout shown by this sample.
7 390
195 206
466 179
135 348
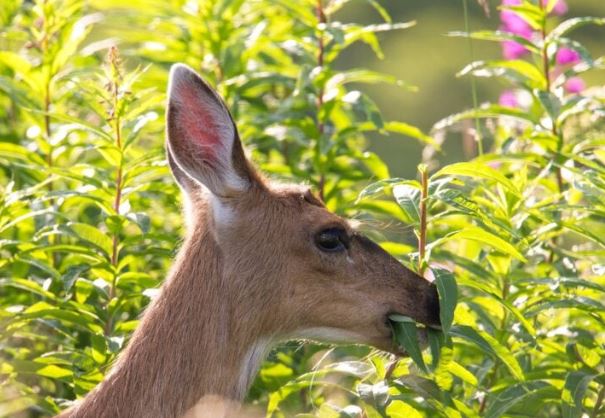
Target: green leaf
27 285
436 340
422 386
489 345
381 10
375 164
496 36
360 76
448 297
522 70
583 303
513 395
408 198
571 24
462 373
18 152
477 170
477 234
487 111
576 383
549 102
379 187
92 235
411 131
84 320
406 335
400 409
41 369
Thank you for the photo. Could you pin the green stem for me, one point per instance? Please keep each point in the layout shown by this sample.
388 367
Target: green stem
473 81
546 69
424 179
321 19
52 239
118 186
597 406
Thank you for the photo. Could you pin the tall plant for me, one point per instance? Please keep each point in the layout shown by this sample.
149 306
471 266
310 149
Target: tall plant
521 227
88 218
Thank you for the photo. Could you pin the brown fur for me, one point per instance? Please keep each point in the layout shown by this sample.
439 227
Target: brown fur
259 277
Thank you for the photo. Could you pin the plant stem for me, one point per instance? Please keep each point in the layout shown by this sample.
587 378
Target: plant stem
52 239
546 69
424 179
473 81
47 130
598 403
554 129
321 19
545 63
115 89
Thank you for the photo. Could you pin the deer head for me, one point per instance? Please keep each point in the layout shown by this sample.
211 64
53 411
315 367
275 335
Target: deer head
262 262
296 269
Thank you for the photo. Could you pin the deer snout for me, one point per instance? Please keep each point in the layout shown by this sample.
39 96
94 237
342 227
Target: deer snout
419 302
408 293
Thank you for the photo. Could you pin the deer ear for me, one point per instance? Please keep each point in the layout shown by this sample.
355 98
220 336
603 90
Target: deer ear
202 138
185 182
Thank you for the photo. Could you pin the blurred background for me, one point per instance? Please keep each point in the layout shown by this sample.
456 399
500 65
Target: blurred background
427 58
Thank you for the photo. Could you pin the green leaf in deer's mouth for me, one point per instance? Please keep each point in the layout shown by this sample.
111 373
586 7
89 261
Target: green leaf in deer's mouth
405 335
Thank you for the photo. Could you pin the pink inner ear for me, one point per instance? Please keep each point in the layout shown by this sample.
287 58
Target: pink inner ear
200 121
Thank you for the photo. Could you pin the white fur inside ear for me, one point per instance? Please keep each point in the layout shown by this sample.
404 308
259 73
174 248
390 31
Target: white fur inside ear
235 182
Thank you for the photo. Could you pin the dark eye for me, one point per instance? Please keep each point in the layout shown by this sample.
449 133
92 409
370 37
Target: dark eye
332 240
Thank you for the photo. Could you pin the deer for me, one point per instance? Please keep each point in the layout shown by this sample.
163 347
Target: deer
262 262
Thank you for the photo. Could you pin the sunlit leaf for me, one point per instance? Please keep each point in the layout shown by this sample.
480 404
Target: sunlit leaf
490 345
515 394
484 237
571 24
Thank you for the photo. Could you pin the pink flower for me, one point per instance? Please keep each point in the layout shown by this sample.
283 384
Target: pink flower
513 23
567 56
574 85
560 7
512 50
508 98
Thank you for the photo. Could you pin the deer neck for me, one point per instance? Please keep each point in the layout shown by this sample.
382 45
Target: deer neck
191 344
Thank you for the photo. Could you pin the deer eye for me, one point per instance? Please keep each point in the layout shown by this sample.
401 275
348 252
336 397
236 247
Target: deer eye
332 240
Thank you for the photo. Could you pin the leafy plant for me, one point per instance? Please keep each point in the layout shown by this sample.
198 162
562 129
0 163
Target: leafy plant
520 229
89 216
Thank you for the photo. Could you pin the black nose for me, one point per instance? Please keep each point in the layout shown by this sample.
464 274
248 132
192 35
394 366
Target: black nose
432 306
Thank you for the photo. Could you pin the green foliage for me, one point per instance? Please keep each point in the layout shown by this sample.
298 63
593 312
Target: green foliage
89 216
520 230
